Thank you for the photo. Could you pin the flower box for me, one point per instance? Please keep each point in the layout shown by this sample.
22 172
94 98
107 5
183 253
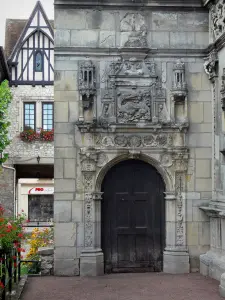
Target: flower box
32 136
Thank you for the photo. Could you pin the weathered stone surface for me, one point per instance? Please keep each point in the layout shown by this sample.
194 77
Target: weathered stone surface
196 112
203 168
69 168
84 38
65 234
61 111
58 168
62 38
62 211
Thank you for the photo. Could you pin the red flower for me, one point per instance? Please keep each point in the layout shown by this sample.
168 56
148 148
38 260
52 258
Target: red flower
27 221
20 235
1 285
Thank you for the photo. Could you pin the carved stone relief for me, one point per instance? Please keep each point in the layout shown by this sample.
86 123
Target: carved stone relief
133 94
179 189
218 18
150 140
88 181
134 23
211 65
166 160
88 242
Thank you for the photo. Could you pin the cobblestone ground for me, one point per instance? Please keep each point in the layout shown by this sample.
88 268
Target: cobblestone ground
150 286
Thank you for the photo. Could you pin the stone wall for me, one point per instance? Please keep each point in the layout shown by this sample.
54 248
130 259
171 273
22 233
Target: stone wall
104 36
21 152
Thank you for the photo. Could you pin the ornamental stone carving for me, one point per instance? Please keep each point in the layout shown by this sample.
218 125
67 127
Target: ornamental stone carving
133 94
135 25
222 91
211 65
88 215
179 189
134 107
218 18
87 78
130 141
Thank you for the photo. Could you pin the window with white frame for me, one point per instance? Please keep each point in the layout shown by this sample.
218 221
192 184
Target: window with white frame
38 114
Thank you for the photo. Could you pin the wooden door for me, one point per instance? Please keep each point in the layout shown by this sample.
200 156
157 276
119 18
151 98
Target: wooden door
133 218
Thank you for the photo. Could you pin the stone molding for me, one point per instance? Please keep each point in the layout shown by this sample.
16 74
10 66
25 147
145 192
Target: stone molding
131 3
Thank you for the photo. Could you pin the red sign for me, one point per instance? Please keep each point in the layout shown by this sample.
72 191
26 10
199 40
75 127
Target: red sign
41 190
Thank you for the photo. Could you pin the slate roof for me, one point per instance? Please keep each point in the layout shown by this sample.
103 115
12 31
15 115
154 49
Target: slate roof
13 30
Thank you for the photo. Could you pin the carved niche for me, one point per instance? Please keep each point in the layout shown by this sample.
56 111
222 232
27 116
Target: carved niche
134 25
134 94
218 18
87 89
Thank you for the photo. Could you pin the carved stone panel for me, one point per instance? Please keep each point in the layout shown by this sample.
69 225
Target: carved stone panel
133 94
218 18
134 23
179 189
134 141
88 215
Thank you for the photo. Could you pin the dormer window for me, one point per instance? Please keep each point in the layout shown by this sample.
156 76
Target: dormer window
38 62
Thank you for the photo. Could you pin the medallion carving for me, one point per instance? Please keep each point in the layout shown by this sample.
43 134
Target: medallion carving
134 23
166 160
150 140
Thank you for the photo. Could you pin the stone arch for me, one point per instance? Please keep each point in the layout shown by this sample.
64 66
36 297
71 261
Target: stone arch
167 178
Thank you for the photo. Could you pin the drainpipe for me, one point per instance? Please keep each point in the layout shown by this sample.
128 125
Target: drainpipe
14 186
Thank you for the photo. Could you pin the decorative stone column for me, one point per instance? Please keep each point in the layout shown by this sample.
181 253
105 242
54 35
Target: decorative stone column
176 257
91 258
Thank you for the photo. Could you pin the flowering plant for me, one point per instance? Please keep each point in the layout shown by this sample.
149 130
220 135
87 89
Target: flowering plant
39 238
47 135
29 135
11 231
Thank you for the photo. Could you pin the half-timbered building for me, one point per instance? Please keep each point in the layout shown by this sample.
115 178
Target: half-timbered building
29 47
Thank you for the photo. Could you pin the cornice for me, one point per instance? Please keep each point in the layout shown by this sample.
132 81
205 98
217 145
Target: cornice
191 4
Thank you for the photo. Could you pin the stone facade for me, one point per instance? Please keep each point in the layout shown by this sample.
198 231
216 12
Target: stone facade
146 97
212 263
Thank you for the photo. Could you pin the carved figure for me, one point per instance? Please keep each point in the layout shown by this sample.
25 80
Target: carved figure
210 66
218 18
136 24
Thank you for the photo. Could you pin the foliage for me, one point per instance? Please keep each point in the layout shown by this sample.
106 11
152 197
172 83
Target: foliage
39 238
5 99
11 235
30 135
11 231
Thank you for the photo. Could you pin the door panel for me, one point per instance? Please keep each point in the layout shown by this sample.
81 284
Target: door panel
133 218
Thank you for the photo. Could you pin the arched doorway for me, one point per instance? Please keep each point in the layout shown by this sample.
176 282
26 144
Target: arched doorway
133 218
